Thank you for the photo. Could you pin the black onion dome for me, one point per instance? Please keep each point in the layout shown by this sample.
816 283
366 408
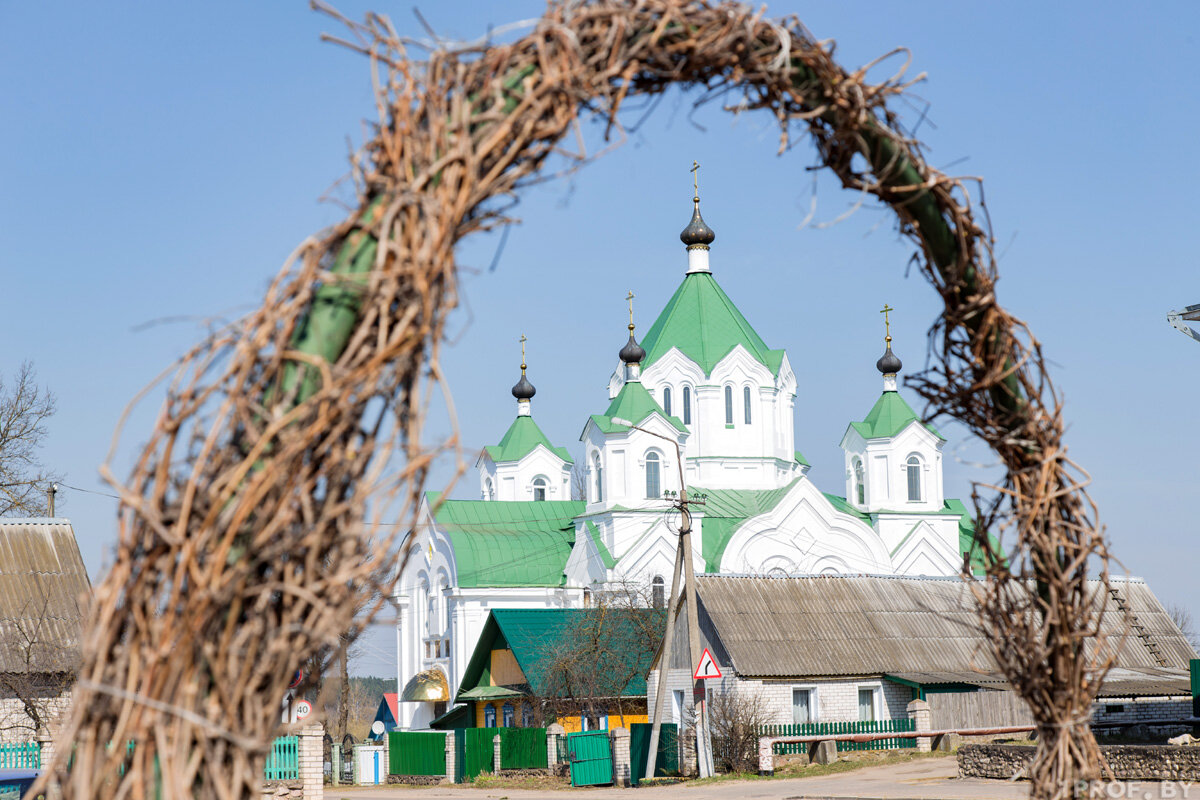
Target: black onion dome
524 389
697 231
632 352
889 363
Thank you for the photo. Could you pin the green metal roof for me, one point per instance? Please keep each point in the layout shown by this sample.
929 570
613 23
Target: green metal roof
705 325
520 440
488 693
724 512
888 417
531 635
509 543
966 537
605 556
635 404
844 506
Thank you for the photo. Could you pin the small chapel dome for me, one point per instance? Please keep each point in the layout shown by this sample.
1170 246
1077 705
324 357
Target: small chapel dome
697 233
524 389
889 363
632 352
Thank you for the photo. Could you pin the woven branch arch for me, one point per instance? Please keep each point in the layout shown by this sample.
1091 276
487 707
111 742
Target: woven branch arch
244 550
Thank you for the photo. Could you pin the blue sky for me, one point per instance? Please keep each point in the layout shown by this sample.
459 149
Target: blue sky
161 161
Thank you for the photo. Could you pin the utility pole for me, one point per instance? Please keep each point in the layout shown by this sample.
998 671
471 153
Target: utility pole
683 558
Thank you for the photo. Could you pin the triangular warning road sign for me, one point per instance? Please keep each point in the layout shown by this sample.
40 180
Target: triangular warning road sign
707 668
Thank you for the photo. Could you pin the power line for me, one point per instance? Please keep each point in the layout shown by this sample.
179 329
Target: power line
89 491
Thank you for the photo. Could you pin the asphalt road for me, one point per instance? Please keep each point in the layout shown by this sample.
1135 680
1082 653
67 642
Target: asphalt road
925 779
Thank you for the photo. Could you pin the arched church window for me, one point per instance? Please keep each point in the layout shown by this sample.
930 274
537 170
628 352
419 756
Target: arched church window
539 488
489 492
914 478
667 400
587 598
653 475
687 405
728 405
860 487
746 402
599 492
657 594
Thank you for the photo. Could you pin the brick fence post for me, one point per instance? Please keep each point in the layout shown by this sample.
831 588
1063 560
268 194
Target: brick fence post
918 711
552 733
620 756
766 758
312 761
451 755
496 754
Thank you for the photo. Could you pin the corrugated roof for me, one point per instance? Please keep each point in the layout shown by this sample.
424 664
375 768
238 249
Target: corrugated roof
705 325
43 589
862 625
509 543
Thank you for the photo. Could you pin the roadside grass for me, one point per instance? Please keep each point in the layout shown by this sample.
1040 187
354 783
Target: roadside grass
486 781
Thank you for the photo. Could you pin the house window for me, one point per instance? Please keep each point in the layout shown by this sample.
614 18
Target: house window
667 400
508 715
687 405
526 715
802 706
489 716
746 402
539 488
657 595
914 479
866 705
599 492
653 476
860 487
728 405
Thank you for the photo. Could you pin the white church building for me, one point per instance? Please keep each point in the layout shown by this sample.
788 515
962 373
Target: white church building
703 384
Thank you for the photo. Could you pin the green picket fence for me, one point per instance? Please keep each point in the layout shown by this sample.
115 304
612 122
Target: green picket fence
413 753
21 755
828 728
283 762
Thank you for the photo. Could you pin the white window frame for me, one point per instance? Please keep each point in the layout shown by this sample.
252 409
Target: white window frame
876 688
659 459
685 397
814 706
545 487
920 478
667 398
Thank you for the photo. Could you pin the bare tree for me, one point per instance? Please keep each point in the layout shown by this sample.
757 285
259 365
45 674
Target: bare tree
579 481
736 718
24 410
1182 617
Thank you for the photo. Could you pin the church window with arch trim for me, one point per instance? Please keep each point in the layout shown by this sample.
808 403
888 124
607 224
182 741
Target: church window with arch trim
598 492
860 487
667 400
687 405
728 405
653 475
489 491
746 402
539 488
913 468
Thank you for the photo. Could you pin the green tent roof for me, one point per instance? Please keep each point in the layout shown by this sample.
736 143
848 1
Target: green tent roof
635 404
533 634
705 325
520 440
724 512
888 417
509 543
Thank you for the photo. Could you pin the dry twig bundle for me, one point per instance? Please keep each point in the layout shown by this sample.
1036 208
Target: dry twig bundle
242 550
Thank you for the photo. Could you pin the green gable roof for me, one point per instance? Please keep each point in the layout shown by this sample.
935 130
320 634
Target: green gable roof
705 325
534 634
633 403
888 417
605 556
520 440
509 543
724 512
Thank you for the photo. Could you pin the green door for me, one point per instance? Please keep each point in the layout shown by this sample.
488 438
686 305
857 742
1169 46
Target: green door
590 755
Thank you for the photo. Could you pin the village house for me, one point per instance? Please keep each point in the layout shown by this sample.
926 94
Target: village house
859 648
43 591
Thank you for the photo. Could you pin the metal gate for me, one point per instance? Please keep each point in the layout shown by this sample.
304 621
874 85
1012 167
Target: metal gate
590 754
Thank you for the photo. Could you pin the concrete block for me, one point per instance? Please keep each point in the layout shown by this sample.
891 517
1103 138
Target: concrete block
823 752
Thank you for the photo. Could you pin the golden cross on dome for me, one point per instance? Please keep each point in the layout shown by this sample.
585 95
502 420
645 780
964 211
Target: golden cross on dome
887 322
696 180
630 297
523 340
